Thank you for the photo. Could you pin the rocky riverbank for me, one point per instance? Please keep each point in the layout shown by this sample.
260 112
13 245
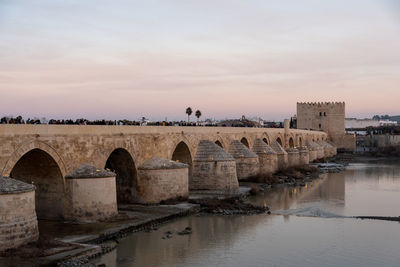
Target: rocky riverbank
294 176
229 206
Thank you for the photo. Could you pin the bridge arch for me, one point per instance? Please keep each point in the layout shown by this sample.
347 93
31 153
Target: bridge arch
245 142
291 142
265 138
182 154
38 167
219 143
218 140
122 163
28 146
279 140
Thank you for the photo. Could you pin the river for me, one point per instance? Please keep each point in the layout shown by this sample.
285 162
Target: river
309 226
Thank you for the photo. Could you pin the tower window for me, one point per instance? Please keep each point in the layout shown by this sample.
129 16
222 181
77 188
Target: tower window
325 114
320 114
320 125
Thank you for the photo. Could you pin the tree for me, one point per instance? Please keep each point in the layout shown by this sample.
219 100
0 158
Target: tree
189 112
198 114
376 117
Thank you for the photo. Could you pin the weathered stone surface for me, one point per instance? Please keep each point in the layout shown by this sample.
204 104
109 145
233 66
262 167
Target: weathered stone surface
247 163
12 186
293 157
89 171
267 157
213 169
261 147
313 150
304 155
320 150
209 151
162 179
90 195
333 148
282 155
157 163
18 222
239 150
329 150
278 148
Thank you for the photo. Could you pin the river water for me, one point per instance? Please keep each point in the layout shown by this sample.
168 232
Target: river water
310 226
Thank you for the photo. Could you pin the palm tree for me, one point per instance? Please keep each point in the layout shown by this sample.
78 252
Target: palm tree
198 115
189 112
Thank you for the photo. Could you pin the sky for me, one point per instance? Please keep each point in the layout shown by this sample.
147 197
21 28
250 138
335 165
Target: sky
127 59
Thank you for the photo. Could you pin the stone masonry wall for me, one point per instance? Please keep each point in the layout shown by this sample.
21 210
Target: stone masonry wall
214 175
155 186
247 167
268 163
18 222
90 199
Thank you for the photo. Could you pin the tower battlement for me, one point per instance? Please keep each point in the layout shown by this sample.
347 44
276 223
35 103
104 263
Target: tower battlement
321 104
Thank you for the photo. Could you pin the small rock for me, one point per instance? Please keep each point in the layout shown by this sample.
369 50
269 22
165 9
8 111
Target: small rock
185 232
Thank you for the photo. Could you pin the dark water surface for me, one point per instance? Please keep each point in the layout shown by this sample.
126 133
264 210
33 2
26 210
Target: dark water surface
310 226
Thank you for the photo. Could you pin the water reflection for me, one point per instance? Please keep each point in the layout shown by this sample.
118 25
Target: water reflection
286 240
330 188
209 232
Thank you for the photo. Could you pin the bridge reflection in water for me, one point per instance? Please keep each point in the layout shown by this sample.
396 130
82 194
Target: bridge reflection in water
220 232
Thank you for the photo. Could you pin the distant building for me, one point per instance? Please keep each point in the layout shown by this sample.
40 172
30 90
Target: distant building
272 124
353 123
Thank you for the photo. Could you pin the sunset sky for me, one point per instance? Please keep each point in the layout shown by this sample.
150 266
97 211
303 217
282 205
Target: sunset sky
128 59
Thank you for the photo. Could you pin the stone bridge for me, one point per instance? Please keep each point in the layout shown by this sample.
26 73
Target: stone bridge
45 154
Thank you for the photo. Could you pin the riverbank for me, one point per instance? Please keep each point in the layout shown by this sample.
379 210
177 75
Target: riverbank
66 241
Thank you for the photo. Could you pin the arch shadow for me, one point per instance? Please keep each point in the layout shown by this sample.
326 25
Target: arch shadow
291 142
182 154
39 168
121 162
279 140
219 144
245 142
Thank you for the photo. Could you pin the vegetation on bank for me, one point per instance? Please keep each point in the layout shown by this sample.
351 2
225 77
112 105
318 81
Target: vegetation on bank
296 173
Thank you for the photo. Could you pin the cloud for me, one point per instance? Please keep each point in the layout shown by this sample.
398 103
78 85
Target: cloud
227 57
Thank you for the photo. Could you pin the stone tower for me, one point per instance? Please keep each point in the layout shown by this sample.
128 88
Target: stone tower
328 117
